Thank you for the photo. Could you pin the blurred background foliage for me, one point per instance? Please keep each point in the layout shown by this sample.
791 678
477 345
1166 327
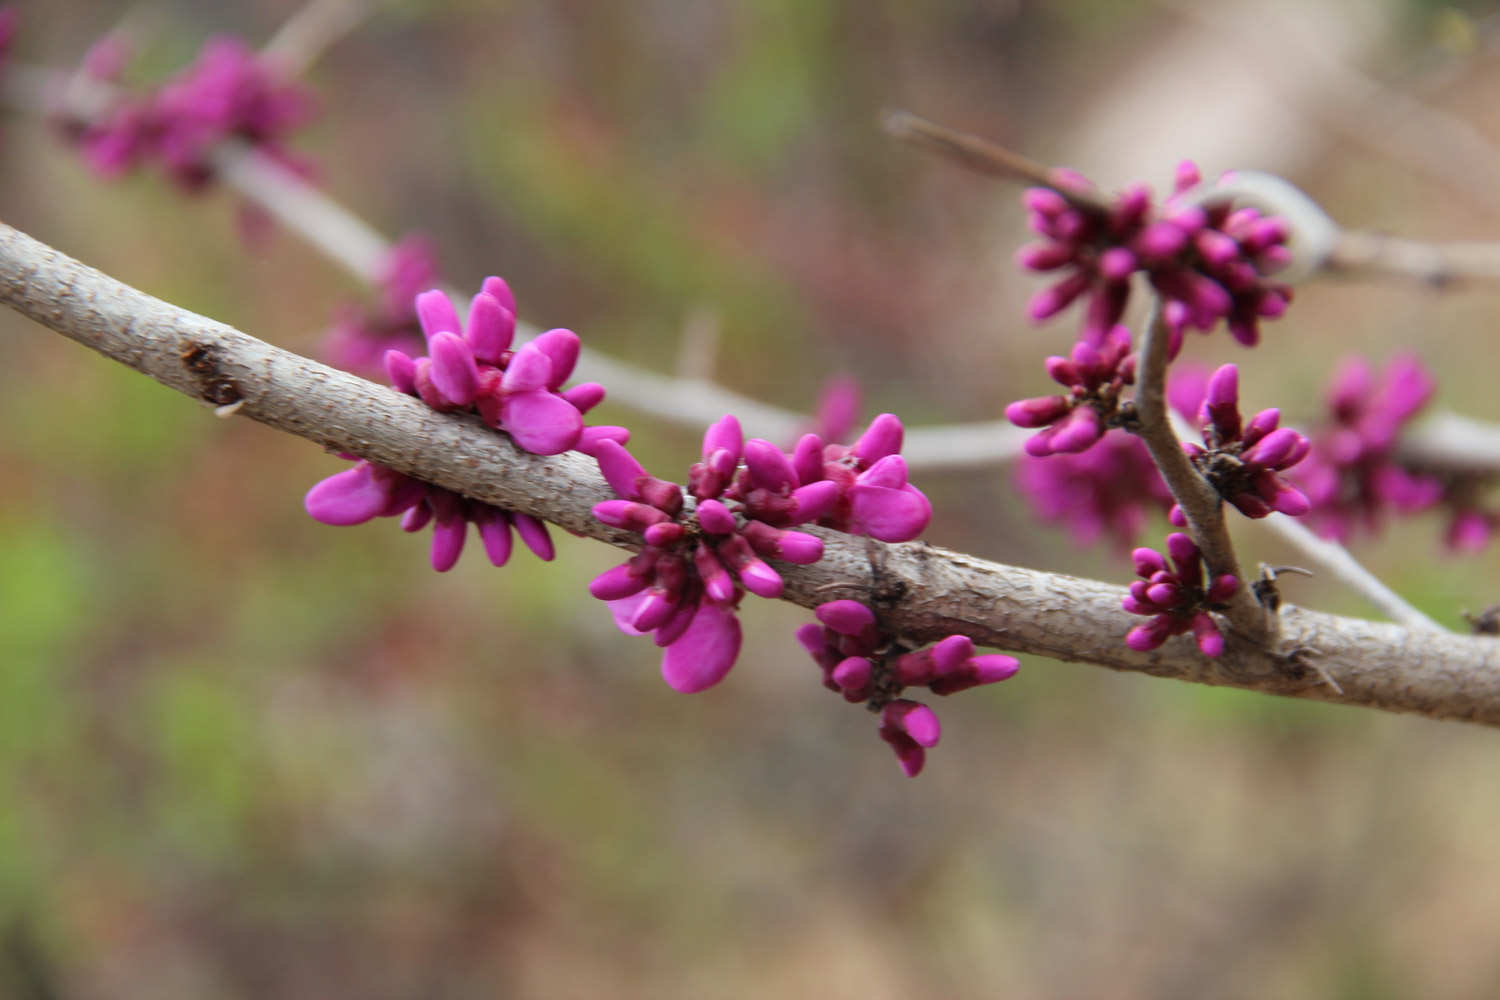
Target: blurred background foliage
246 755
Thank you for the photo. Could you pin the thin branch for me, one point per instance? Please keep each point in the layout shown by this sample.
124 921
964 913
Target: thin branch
1367 255
1447 441
1333 557
315 28
1375 665
1199 502
985 157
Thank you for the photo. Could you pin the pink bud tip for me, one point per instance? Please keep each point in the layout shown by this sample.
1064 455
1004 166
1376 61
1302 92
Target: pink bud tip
883 437
436 314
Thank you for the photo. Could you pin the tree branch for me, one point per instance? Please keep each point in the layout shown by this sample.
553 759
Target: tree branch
932 592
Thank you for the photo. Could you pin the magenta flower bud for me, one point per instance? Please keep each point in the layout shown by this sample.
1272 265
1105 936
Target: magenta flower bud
654 611
886 514
491 328
530 370
1045 256
889 472
353 496
678 624
724 435
812 639
849 618
628 514
1161 241
1077 431
993 667
1055 298
453 371
807 458
769 467
813 501
1262 424
1044 201
882 438
1116 264
791 546
1148 561
1206 632
1163 595
1273 449
494 533
704 652
716 518
852 675
949 654
589 438
585 396
1144 638
661 494
915 720
401 370
562 348
436 314
1223 588
416 518
616 583
448 543
717 582
664 535
1183 550
500 290
534 535
542 423
1038 412
758 578
620 468
1290 501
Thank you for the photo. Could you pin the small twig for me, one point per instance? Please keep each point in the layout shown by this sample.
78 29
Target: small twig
1199 502
985 156
1447 441
315 28
1366 255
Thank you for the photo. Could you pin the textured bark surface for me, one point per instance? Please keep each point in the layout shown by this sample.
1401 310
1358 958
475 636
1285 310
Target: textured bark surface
920 590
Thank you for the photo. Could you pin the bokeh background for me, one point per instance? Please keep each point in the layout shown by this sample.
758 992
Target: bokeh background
246 755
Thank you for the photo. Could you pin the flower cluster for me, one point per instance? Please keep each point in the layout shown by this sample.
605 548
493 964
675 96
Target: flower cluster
1175 598
686 582
366 491
865 664
1241 460
362 334
1108 490
1352 476
227 92
1094 377
1355 475
1209 261
873 495
472 367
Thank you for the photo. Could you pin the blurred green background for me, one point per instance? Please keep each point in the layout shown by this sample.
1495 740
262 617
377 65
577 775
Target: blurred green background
246 755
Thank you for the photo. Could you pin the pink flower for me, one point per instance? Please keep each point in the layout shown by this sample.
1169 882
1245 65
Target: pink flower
1094 376
684 585
1175 598
1240 460
1210 262
866 664
471 367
